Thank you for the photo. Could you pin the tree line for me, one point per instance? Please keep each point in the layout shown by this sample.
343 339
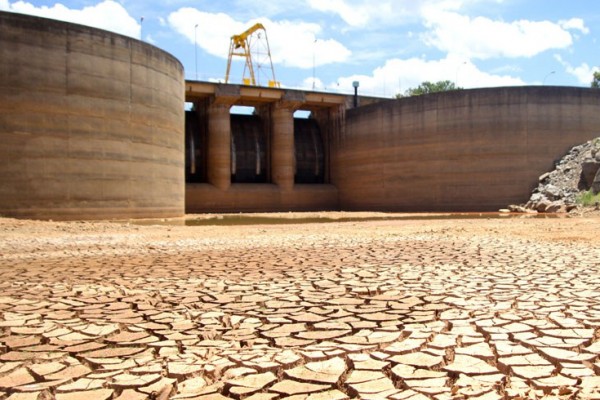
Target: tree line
446 86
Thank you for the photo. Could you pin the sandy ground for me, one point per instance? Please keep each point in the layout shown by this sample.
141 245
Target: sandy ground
410 308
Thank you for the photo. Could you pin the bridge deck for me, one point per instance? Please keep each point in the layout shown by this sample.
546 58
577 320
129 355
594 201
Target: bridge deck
257 95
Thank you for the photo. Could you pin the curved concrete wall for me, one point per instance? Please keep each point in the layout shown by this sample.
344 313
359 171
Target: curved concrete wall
91 123
470 150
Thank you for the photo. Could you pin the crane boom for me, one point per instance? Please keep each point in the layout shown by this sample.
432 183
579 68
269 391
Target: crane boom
243 45
240 39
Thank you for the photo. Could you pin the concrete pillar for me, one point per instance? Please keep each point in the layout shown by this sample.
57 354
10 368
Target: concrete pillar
219 146
332 124
282 146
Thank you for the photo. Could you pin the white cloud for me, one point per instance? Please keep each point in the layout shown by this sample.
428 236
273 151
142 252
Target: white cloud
396 76
584 73
292 43
264 8
575 24
310 84
365 13
356 14
150 39
483 38
108 15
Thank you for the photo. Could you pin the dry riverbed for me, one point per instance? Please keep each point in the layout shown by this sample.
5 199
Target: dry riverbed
376 307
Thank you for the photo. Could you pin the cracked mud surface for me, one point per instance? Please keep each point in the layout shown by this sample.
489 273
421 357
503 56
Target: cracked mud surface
482 309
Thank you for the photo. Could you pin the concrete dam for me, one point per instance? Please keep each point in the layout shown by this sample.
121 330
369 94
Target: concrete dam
93 126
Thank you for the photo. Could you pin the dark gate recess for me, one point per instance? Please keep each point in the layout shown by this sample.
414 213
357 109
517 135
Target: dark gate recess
248 150
310 156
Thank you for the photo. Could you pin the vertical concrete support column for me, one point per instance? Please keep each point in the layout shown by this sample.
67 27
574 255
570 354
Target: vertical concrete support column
282 146
219 145
335 121
324 119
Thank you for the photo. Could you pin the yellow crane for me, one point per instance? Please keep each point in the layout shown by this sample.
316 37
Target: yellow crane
248 44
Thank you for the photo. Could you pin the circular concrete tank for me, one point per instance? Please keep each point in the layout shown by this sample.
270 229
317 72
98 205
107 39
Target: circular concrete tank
466 150
91 123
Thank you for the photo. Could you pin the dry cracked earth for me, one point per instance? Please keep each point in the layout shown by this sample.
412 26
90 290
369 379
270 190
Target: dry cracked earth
415 309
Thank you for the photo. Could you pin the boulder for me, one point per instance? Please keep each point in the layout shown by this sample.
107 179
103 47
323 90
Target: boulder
556 207
536 198
551 192
596 183
543 177
542 205
589 170
516 208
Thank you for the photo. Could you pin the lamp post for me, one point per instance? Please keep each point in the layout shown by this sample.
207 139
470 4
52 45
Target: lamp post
314 64
196 48
355 85
547 75
142 28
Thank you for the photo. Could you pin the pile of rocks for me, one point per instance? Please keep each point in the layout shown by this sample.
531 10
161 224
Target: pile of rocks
558 190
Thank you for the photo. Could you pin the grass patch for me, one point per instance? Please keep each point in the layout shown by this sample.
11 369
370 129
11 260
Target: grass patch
588 198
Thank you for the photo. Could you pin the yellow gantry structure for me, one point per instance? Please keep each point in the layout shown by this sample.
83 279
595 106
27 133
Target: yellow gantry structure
244 45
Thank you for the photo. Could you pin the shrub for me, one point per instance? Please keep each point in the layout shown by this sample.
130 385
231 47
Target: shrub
588 198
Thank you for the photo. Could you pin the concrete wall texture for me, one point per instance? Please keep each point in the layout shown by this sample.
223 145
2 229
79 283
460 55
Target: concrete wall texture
469 150
91 123
92 127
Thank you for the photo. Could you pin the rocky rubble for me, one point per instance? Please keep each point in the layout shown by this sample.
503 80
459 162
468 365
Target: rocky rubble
577 171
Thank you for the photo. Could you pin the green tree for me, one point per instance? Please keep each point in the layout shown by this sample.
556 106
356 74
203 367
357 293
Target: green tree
596 80
430 87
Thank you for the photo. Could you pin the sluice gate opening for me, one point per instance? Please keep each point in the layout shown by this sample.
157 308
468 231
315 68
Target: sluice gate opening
251 149
262 149
195 148
309 152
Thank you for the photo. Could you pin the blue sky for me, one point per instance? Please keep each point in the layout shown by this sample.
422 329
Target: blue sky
386 45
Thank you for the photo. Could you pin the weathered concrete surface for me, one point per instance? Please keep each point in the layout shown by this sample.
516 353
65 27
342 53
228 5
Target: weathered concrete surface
470 150
484 308
91 123
201 198
91 126
282 152
276 109
219 146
